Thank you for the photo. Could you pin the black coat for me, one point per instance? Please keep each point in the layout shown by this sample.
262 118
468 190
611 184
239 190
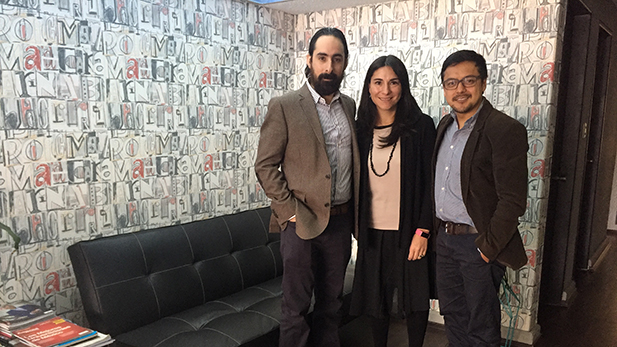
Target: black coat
416 212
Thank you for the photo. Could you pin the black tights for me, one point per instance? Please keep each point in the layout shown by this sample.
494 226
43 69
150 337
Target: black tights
416 328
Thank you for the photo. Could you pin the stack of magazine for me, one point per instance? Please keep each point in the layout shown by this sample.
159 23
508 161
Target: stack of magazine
30 325
21 315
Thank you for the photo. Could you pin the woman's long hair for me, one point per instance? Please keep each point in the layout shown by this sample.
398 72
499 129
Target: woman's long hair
407 108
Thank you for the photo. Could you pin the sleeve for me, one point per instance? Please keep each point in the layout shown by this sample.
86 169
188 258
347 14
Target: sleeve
427 146
509 157
270 155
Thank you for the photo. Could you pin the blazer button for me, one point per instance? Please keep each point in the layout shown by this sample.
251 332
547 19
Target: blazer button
327 204
328 176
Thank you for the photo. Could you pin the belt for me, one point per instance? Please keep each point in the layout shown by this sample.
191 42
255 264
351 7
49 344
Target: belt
340 209
458 228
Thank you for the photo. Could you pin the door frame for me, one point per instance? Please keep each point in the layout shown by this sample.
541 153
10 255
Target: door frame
568 169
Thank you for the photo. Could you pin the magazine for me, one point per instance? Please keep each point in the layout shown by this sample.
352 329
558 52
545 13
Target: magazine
22 314
54 332
98 341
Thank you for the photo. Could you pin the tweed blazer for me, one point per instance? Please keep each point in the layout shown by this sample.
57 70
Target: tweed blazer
292 164
494 182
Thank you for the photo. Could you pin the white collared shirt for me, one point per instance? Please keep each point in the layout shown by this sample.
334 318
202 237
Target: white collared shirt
337 134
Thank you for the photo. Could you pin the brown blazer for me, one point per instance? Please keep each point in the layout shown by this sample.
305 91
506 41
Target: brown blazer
291 139
494 182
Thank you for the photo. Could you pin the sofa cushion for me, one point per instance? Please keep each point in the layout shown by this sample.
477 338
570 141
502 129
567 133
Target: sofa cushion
229 321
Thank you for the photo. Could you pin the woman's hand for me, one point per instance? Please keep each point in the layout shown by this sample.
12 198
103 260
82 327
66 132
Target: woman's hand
418 247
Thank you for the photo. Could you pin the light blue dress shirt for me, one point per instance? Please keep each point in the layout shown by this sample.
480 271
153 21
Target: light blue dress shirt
449 205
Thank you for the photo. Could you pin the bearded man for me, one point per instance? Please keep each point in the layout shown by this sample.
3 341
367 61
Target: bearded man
308 165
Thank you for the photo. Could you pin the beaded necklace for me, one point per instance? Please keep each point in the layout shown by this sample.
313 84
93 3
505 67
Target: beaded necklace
371 154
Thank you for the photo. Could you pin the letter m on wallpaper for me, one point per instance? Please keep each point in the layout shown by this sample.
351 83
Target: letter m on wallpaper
20 177
159 46
69 33
9 56
76 145
164 143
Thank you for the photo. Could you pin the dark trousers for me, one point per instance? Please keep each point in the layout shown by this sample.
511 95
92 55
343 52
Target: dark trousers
416 329
468 290
314 266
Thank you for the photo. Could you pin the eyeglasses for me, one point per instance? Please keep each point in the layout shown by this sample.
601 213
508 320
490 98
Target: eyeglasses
468 81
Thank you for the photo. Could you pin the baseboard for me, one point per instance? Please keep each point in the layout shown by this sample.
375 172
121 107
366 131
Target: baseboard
601 253
435 317
522 338
568 294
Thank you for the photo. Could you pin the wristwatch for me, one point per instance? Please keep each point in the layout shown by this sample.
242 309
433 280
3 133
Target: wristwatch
422 233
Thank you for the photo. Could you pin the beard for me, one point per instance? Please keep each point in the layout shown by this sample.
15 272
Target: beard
323 87
467 108
463 109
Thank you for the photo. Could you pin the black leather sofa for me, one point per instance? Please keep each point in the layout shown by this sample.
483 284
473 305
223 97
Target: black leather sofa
214 283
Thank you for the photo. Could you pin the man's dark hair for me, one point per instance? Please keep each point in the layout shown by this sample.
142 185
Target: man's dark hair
326 31
466 55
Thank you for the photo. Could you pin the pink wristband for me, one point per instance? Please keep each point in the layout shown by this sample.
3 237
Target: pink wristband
422 233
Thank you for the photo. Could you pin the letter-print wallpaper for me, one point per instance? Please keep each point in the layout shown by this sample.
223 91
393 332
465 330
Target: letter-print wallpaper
126 115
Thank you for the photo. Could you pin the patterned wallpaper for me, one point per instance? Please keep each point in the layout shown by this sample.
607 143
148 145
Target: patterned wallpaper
126 115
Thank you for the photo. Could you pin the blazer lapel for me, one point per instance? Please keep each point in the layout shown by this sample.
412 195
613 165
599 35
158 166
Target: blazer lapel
470 147
444 123
348 108
310 111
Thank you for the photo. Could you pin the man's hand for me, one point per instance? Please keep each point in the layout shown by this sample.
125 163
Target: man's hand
484 257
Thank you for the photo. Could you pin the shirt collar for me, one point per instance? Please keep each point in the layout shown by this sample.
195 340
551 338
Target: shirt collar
318 99
471 121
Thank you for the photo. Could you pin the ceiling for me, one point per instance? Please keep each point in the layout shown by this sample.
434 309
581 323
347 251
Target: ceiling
307 6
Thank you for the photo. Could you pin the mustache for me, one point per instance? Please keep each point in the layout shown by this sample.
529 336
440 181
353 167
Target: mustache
331 76
464 95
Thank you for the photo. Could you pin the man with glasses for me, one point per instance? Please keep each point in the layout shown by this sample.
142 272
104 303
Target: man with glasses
480 191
